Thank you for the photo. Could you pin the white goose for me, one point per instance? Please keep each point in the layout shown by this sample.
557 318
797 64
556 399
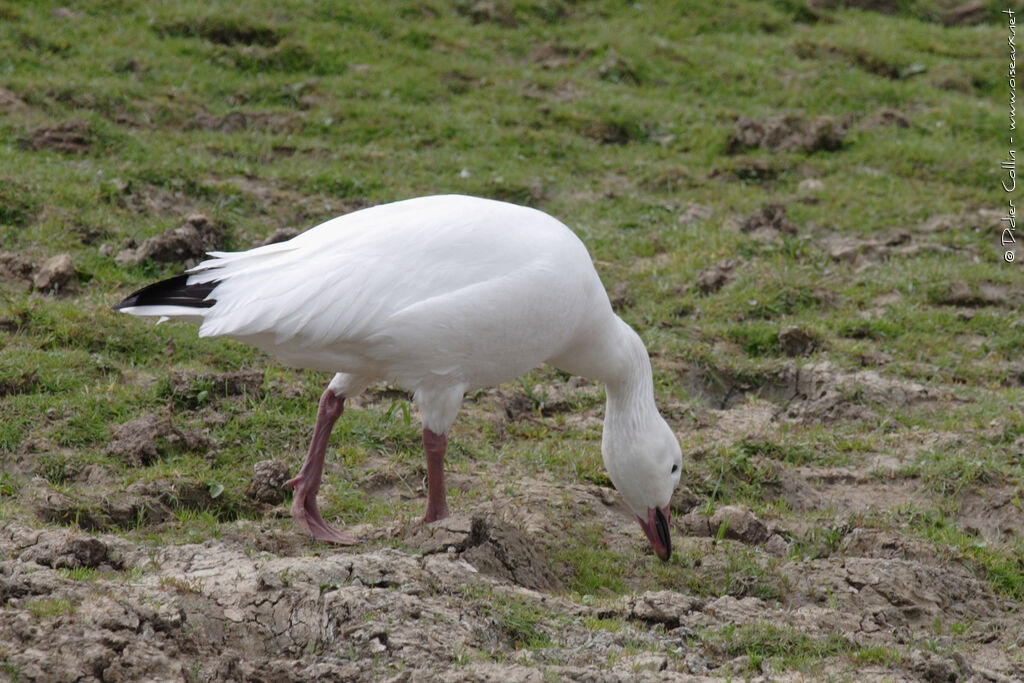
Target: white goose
440 296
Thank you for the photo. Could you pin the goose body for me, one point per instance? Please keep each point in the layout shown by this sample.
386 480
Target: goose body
438 295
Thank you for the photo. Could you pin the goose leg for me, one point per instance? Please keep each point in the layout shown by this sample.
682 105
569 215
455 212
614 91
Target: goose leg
307 482
435 445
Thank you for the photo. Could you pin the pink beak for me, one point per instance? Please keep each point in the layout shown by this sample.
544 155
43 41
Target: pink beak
657 530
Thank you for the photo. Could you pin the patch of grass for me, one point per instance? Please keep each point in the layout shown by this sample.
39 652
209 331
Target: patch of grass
732 569
50 608
12 670
611 624
597 571
780 648
81 574
792 453
519 620
1002 565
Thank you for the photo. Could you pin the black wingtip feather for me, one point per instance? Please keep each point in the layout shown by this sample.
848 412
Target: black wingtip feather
174 291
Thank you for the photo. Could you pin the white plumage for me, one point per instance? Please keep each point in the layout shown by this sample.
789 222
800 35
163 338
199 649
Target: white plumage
438 295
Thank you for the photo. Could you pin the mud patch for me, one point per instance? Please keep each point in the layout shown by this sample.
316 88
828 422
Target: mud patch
143 504
192 390
221 30
786 133
15 266
238 121
576 397
810 393
726 522
70 137
962 294
884 118
994 514
491 546
864 252
24 383
145 199
782 483
556 56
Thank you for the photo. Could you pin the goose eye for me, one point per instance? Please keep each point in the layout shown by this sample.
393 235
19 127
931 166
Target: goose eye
675 468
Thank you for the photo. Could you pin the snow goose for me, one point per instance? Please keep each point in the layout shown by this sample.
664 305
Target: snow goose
440 296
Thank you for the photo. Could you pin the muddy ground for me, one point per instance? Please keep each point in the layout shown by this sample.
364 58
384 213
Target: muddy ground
478 596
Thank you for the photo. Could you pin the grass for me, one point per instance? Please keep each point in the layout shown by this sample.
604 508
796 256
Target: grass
768 646
50 608
614 117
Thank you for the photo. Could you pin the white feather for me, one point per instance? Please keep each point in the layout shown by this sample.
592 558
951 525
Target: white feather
441 295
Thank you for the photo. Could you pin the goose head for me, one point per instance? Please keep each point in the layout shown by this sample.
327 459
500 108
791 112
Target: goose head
645 463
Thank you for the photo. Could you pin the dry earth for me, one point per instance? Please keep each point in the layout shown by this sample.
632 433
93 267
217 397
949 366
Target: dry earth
479 597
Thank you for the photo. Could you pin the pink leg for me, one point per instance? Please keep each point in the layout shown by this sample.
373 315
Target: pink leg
435 446
307 482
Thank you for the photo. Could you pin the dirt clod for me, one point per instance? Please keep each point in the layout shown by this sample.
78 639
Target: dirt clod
186 244
786 133
56 275
142 441
796 341
15 266
268 478
73 551
714 278
768 222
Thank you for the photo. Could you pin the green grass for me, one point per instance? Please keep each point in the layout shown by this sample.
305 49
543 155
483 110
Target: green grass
781 648
50 608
